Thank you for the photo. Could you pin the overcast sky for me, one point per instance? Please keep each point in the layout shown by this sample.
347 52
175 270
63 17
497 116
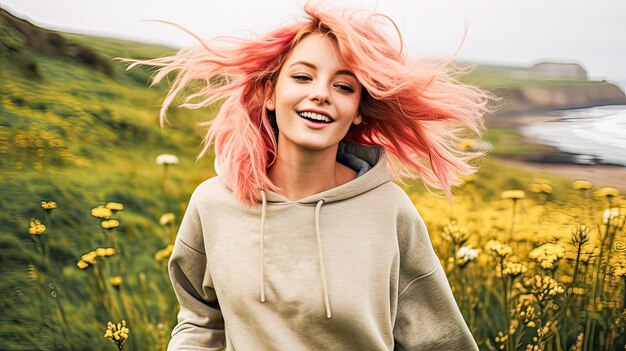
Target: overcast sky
520 32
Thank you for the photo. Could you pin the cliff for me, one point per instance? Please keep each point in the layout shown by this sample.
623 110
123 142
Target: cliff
543 87
21 39
526 99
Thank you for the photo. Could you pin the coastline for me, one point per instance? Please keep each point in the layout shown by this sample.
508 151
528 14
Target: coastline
551 160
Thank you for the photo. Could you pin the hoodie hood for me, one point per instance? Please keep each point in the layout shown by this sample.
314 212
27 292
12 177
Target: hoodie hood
369 161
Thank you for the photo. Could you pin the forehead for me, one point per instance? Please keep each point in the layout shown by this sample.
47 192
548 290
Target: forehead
317 48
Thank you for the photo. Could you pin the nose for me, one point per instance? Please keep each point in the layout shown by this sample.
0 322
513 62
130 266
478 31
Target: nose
319 93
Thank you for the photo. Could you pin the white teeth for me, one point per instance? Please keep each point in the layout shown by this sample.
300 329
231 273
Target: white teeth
315 116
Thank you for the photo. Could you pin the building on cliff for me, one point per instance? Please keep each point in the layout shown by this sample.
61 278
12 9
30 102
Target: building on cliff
561 70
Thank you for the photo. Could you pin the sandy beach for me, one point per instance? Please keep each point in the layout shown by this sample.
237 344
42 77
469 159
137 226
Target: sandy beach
555 162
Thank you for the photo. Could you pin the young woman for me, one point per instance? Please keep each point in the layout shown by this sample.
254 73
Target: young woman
303 242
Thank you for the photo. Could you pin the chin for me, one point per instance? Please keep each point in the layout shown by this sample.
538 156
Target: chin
316 145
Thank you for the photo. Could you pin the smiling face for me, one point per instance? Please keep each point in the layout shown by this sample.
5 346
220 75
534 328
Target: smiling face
316 96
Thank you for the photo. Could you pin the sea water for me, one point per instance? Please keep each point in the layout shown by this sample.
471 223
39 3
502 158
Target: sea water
593 135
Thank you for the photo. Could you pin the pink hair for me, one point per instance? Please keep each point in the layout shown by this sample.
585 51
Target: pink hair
417 111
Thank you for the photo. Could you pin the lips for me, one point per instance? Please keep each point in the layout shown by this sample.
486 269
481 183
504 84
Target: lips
315 117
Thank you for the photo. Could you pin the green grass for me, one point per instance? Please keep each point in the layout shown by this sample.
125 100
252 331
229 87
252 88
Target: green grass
500 77
507 142
494 80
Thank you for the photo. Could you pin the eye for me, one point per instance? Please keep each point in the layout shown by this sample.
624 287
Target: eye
301 77
344 88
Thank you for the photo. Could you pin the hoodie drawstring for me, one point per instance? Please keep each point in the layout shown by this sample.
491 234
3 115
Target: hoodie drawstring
261 254
320 253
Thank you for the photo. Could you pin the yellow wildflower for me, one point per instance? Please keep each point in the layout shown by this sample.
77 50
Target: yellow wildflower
101 212
117 333
455 233
501 338
526 310
114 206
105 252
513 269
82 264
513 194
581 184
90 257
116 281
544 288
546 188
164 254
48 205
538 188
36 227
167 218
498 248
110 224
607 192
534 188
566 279
547 254
550 325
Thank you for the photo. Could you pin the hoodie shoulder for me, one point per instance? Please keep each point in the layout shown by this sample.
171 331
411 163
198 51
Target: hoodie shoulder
211 190
401 200
209 184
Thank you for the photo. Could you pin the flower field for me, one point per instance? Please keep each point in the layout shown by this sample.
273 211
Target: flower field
533 271
530 269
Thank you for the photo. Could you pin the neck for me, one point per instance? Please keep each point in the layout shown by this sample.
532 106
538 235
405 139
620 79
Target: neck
301 172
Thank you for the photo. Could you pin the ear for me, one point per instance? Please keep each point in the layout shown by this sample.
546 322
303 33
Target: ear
357 120
269 104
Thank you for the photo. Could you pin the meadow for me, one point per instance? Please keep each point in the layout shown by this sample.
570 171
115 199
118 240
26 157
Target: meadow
92 192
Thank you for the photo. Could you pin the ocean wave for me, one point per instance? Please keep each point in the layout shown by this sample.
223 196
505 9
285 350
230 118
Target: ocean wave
596 135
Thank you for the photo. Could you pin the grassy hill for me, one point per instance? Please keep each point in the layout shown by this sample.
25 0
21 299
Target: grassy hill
77 129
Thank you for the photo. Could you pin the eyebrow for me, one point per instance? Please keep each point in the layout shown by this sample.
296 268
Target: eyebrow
308 64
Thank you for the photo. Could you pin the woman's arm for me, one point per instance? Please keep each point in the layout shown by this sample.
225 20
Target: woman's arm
428 317
200 323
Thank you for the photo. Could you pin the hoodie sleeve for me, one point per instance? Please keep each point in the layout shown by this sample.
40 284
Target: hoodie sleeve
428 317
200 324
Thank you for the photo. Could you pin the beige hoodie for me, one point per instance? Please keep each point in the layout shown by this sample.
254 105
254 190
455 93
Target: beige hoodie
351 268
